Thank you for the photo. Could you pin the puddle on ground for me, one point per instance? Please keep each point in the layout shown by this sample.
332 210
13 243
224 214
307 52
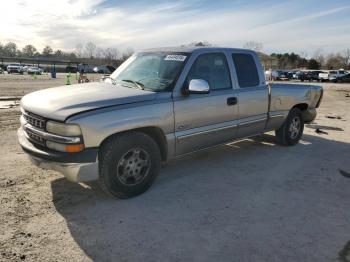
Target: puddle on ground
9 104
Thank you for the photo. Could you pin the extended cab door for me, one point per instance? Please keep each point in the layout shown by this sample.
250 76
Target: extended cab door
204 120
253 93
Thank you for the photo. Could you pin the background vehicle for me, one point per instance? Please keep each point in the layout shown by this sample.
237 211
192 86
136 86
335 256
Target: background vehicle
341 79
304 76
283 75
314 75
158 105
296 74
15 68
104 69
271 75
86 68
331 75
25 68
34 70
71 69
276 75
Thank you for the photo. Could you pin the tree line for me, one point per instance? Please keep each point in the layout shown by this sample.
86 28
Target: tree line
286 61
87 53
93 54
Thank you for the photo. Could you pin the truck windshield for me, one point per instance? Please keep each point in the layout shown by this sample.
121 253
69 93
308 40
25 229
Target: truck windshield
150 71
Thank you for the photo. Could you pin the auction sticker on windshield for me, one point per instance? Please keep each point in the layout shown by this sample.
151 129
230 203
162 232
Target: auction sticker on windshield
175 57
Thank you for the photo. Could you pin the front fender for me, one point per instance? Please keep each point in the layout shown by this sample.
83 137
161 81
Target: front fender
102 124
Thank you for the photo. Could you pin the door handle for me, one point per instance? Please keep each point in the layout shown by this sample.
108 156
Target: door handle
232 101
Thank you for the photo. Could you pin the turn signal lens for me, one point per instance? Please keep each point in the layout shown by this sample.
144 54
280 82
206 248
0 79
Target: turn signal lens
74 148
65 147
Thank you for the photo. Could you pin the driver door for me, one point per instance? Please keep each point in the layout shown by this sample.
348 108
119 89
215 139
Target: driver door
205 120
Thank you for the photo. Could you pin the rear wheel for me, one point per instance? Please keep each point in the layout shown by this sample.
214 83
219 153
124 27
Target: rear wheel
292 130
129 163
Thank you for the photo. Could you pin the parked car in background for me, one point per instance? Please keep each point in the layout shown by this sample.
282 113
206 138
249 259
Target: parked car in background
25 68
271 75
304 76
15 68
159 105
314 75
331 75
308 76
104 69
71 69
290 74
283 75
34 70
277 75
341 79
86 68
111 68
296 74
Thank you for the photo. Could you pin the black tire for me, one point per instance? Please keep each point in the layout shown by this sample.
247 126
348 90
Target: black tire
116 165
284 134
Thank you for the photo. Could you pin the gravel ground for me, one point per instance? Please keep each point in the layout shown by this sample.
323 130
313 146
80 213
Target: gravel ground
251 200
19 85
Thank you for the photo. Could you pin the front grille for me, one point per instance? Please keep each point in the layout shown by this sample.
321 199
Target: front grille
35 138
34 120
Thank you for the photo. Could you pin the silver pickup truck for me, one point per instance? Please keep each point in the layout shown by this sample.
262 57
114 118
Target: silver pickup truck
158 105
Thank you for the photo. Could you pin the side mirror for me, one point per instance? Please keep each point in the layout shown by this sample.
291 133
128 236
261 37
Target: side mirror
198 86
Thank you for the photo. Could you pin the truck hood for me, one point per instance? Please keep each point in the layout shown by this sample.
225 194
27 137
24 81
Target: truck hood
60 102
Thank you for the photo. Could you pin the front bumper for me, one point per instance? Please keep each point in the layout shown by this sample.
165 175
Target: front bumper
77 167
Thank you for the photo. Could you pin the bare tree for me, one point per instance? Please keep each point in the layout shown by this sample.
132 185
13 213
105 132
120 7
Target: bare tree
79 50
319 56
10 49
335 61
28 50
47 51
303 54
99 53
59 53
127 53
90 49
252 45
111 54
347 58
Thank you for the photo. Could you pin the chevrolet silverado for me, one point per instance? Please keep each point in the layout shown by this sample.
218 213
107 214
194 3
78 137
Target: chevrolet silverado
158 105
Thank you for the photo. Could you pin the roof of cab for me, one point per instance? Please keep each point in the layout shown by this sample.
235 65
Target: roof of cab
192 49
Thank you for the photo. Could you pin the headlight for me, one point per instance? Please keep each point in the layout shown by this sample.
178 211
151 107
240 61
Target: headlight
63 129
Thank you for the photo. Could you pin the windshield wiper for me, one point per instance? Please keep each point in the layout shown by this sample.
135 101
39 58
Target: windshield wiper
137 84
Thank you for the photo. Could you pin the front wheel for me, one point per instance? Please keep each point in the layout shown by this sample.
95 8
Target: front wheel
292 130
128 164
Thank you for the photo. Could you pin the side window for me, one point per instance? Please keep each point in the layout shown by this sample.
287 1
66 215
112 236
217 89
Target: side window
247 72
213 68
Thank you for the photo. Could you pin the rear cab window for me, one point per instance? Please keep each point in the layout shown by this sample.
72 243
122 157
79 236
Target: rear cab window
247 72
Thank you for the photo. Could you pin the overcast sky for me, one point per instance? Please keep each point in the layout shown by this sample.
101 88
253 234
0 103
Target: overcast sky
281 26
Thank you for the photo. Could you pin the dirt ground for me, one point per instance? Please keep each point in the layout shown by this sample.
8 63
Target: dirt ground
251 200
16 85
